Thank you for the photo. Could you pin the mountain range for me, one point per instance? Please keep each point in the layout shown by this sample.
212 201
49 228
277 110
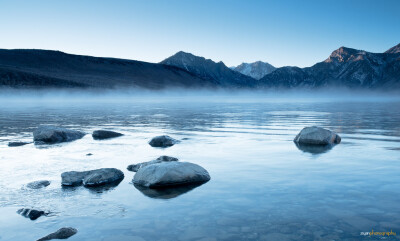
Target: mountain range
345 67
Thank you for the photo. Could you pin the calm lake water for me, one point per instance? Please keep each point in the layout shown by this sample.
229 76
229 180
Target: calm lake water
262 186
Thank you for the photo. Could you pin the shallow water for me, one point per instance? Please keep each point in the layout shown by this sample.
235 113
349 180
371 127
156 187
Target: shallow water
262 186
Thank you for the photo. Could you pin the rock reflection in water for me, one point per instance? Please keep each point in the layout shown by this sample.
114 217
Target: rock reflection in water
167 192
314 149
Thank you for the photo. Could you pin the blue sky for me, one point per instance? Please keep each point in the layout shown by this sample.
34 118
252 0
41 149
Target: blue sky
284 32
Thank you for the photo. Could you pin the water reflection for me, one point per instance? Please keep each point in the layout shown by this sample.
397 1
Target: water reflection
167 192
314 149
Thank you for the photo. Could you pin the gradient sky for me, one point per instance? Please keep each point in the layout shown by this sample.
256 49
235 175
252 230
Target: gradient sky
284 32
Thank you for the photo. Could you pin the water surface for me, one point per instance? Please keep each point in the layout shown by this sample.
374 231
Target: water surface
262 186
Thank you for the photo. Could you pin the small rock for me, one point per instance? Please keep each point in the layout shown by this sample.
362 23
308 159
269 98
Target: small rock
38 184
317 136
53 134
135 167
166 174
92 178
163 141
89 154
103 134
32 214
17 143
62 233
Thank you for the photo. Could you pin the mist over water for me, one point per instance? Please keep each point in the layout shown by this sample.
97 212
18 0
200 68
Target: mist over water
194 95
262 187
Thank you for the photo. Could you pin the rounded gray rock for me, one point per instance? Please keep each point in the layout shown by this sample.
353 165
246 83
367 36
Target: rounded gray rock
104 134
166 174
54 134
92 178
317 136
38 184
163 141
136 167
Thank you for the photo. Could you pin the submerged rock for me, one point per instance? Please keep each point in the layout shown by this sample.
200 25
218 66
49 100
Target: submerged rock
62 233
163 141
313 149
317 136
103 134
32 214
54 134
136 167
38 184
92 178
165 174
17 143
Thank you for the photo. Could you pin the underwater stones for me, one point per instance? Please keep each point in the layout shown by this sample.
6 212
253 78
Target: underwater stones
62 233
38 184
317 136
54 134
163 141
92 178
32 214
17 143
136 167
166 174
104 134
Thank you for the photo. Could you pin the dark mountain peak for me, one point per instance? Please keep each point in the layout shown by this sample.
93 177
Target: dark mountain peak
208 69
394 50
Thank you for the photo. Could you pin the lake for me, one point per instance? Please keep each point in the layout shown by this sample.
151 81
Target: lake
262 187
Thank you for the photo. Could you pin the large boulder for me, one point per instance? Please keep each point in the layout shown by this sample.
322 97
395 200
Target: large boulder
166 174
136 167
32 214
162 141
317 136
104 134
92 178
62 233
54 134
38 184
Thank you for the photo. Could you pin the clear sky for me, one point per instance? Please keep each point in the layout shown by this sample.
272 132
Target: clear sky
281 32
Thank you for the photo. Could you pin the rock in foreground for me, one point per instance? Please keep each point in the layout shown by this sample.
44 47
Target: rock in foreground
38 184
92 178
32 214
317 136
103 134
54 134
62 233
167 174
163 141
136 167
17 143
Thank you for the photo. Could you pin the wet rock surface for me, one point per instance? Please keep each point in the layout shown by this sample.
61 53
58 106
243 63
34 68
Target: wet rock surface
136 167
17 143
38 184
54 134
32 214
92 178
104 134
163 141
167 174
62 233
317 136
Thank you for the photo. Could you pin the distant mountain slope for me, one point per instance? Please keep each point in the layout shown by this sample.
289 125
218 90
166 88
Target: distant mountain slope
345 67
256 70
218 73
45 68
